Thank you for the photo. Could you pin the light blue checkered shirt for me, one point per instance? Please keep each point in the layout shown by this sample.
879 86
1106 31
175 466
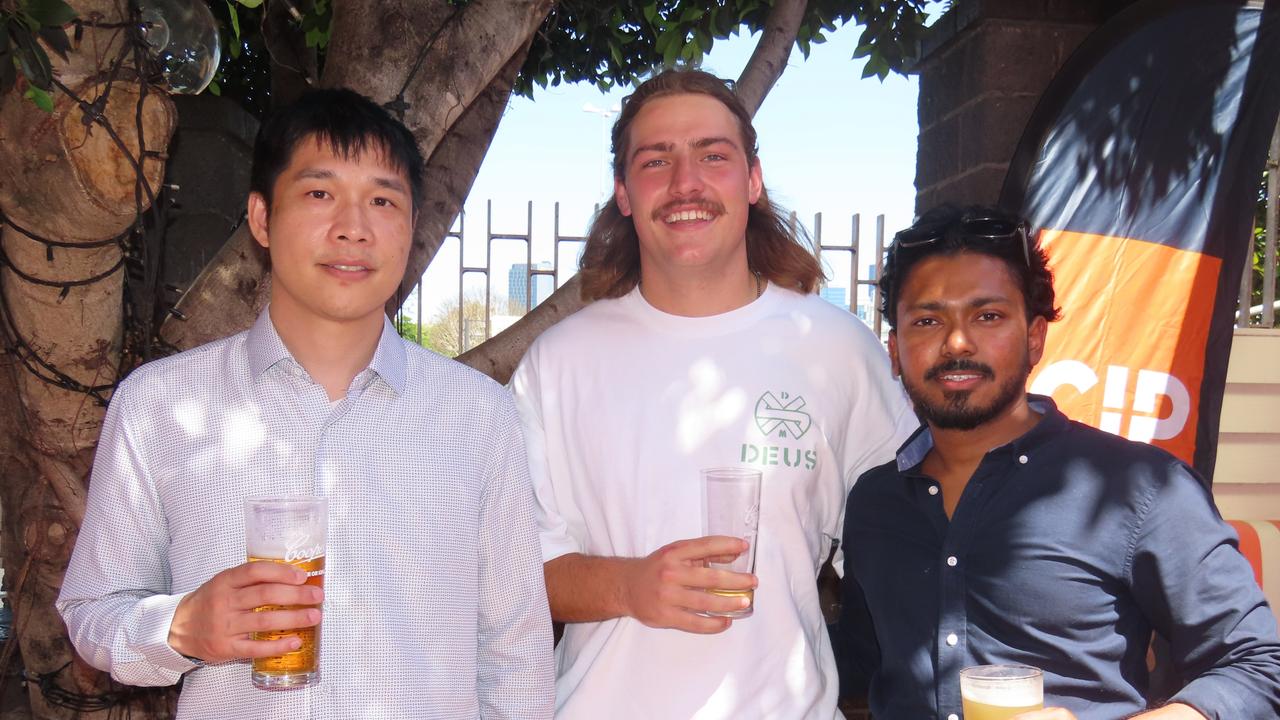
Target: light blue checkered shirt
435 605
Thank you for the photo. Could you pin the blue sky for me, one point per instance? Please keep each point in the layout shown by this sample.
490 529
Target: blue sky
830 142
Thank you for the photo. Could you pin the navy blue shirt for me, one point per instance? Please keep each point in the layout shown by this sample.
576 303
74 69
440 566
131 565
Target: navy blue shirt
1067 548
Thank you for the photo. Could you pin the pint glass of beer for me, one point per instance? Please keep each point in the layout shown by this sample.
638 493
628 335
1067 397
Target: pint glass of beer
288 530
998 692
731 506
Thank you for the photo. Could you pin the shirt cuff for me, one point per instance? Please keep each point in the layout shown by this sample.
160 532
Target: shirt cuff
152 639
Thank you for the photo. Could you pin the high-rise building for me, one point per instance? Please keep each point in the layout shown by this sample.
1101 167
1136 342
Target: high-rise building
866 296
837 296
518 284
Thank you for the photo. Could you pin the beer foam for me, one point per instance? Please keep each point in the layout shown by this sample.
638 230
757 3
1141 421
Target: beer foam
1004 693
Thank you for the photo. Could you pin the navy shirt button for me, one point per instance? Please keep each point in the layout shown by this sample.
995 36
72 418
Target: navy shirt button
952 561
952 639
1022 459
933 489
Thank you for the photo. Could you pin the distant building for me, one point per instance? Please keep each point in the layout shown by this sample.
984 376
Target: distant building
518 284
837 296
866 296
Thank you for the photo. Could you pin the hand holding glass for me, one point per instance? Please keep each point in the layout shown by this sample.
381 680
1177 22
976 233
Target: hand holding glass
288 530
731 506
999 692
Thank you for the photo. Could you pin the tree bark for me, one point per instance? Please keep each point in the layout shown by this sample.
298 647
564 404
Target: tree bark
465 48
769 59
68 182
498 356
451 171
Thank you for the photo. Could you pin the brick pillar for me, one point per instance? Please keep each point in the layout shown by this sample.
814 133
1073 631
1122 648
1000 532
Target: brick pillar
983 68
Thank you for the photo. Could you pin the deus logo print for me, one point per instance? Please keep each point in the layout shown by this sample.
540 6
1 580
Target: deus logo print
785 417
782 420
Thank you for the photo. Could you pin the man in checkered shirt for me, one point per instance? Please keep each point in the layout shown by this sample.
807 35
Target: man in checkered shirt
434 604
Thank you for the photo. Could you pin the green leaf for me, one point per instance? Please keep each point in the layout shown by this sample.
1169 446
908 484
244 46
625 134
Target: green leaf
57 40
215 89
673 48
39 97
235 23
250 3
34 61
50 12
663 42
702 39
876 65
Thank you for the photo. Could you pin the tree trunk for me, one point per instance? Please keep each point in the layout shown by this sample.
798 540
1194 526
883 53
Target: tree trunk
66 182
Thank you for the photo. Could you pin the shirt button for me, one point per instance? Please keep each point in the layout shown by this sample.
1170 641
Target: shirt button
1022 459
953 716
952 639
933 489
952 561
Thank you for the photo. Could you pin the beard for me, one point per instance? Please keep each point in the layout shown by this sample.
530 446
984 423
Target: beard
955 411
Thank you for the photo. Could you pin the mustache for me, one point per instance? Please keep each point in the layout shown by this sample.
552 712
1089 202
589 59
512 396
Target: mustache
666 209
959 365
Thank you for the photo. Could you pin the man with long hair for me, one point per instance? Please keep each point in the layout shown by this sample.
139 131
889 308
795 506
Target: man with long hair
704 347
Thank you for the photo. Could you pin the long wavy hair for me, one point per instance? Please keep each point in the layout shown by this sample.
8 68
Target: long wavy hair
779 252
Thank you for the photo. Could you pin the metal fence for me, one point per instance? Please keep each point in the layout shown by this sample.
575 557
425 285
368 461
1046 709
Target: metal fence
1257 288
863 295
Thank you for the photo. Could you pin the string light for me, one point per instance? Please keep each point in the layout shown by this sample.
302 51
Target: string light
183 38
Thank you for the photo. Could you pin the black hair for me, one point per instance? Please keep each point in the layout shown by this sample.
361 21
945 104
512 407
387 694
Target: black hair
350 122
942 231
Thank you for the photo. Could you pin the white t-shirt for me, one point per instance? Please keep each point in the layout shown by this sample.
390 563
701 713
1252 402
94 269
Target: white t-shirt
623 405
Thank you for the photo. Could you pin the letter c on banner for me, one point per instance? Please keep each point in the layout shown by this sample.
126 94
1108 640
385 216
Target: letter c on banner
1064 372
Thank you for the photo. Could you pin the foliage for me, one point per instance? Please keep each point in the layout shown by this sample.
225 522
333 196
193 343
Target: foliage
245 72
22 26
620 41
604 42
1257 258
441 334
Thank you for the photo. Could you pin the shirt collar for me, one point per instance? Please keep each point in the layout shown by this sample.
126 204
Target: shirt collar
265 349
1052 421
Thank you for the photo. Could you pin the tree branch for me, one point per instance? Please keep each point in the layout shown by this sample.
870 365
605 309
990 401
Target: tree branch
473 45
769 58
498 356
225 298
451 171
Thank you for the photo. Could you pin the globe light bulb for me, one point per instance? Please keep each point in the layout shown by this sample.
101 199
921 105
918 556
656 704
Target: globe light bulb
183 38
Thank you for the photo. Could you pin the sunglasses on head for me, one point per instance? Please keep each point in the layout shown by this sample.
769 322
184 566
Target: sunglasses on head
981 227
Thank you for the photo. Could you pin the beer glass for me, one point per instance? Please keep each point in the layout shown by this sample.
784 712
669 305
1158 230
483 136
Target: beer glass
731 506
288 530
998 692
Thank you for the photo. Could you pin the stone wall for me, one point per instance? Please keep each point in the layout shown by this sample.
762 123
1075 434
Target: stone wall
982 72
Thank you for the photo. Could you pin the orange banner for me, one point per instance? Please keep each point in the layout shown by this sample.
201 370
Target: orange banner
1128 354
